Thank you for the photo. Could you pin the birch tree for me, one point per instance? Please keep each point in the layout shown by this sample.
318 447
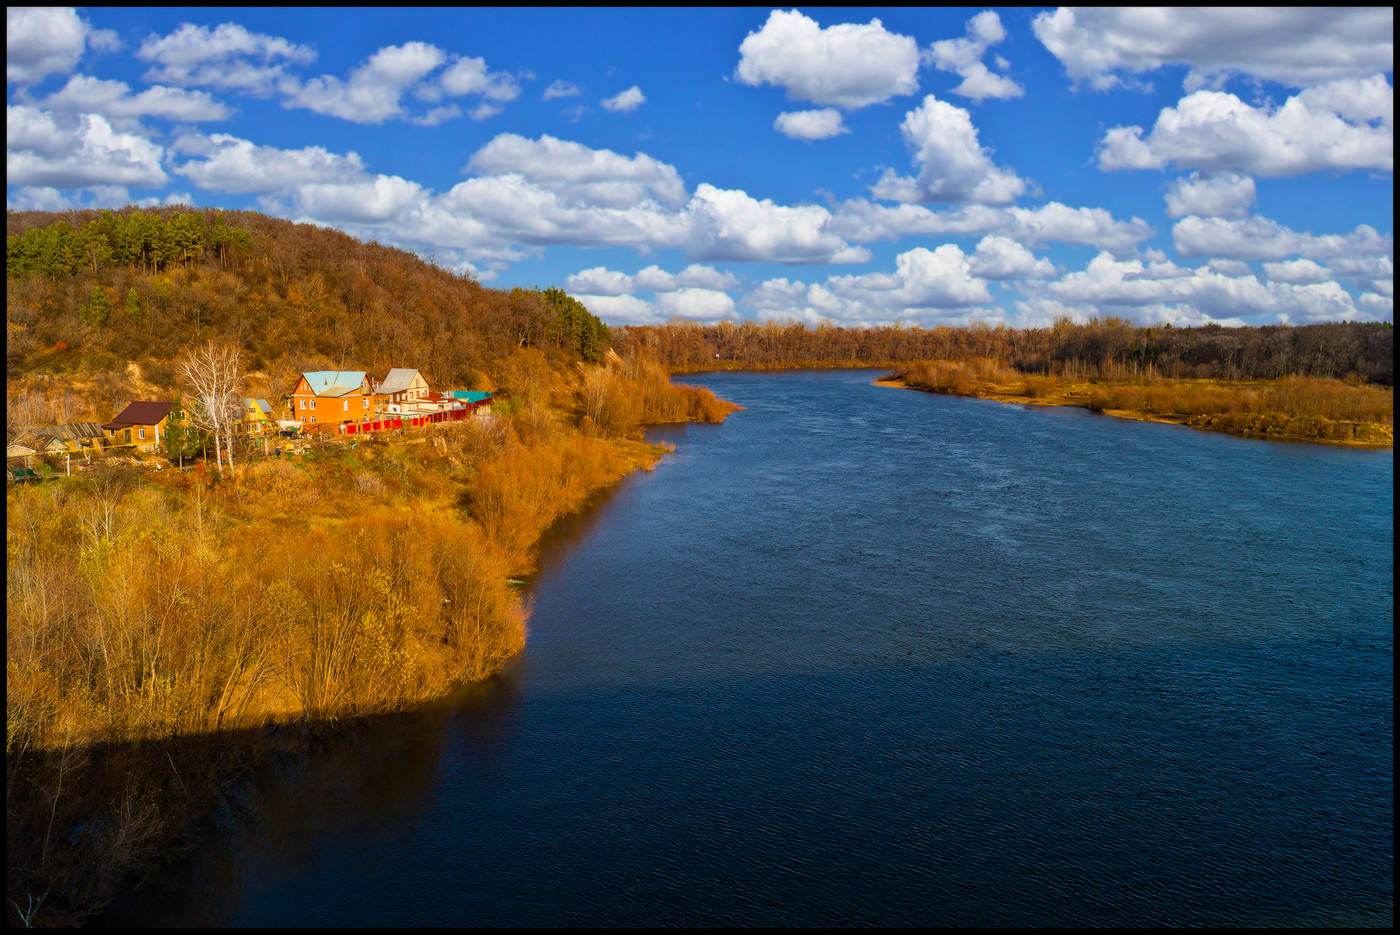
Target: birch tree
214 373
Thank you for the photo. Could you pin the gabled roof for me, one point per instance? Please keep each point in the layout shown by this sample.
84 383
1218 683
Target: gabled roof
141 412
261 404
334 382
398 380
77 431
39 441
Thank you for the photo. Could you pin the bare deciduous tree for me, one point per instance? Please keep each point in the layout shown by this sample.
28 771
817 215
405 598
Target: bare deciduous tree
214 372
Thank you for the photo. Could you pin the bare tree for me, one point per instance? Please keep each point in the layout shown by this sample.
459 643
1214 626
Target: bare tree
214 371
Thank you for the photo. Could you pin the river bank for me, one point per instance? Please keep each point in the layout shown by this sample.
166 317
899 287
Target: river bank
1243 408
1145 673
167 632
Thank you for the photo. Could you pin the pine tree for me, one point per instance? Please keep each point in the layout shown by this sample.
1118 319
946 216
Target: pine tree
98 308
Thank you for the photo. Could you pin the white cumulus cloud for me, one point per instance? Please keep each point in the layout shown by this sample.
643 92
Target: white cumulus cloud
848 65
114 100
1296 46
620 309
1003 258
696 304
469 75
1229 195
1163 291
1342 125
729 224
41 41
964 57
1298 272
227 163
953 165
372 93
820 124
863 221
1261 238
76 152
561 88
595 176
626 101
599 281
227 56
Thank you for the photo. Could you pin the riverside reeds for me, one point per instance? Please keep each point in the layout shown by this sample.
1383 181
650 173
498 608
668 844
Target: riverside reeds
1293 408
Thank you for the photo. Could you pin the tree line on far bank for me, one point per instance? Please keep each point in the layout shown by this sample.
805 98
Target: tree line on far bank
1104 347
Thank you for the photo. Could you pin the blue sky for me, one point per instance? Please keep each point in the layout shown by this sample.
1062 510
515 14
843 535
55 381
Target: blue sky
858 166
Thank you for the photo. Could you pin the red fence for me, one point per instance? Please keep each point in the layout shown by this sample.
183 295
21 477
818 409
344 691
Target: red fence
402 422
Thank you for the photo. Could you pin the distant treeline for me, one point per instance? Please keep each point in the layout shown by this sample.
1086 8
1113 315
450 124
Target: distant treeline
1103 347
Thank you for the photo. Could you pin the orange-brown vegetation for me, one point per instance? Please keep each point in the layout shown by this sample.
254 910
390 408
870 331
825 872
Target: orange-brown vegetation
88 331
1290 408
149 612
346 582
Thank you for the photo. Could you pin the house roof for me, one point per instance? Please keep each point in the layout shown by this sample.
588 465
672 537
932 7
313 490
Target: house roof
471 396
141 412
398 380
40 441
334 382
77 431
262 404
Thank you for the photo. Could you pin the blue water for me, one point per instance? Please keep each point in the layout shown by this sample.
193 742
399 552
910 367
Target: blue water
866 656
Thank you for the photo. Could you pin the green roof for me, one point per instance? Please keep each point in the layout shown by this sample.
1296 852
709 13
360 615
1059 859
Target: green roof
471 396
334 382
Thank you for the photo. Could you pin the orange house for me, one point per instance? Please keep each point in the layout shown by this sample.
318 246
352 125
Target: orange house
330 397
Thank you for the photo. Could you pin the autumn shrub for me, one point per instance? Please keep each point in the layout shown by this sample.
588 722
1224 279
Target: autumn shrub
1038 387
620 397
476 440
516 496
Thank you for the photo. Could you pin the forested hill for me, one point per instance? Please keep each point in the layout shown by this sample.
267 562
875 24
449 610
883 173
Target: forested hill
91 292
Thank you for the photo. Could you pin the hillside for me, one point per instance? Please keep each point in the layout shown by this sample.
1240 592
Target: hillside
101 304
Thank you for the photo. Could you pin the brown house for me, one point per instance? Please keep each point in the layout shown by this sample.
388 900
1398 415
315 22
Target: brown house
139 425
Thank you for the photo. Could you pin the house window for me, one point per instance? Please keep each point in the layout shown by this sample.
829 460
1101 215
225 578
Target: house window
126 435
303 403
345 405
143 432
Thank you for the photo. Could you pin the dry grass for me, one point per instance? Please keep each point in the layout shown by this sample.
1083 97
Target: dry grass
1292 408
149 607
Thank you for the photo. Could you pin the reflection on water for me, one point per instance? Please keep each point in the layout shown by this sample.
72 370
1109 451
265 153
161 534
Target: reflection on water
867 656
353 783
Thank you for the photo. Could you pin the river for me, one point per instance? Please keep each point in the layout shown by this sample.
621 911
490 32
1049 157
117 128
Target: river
868 656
